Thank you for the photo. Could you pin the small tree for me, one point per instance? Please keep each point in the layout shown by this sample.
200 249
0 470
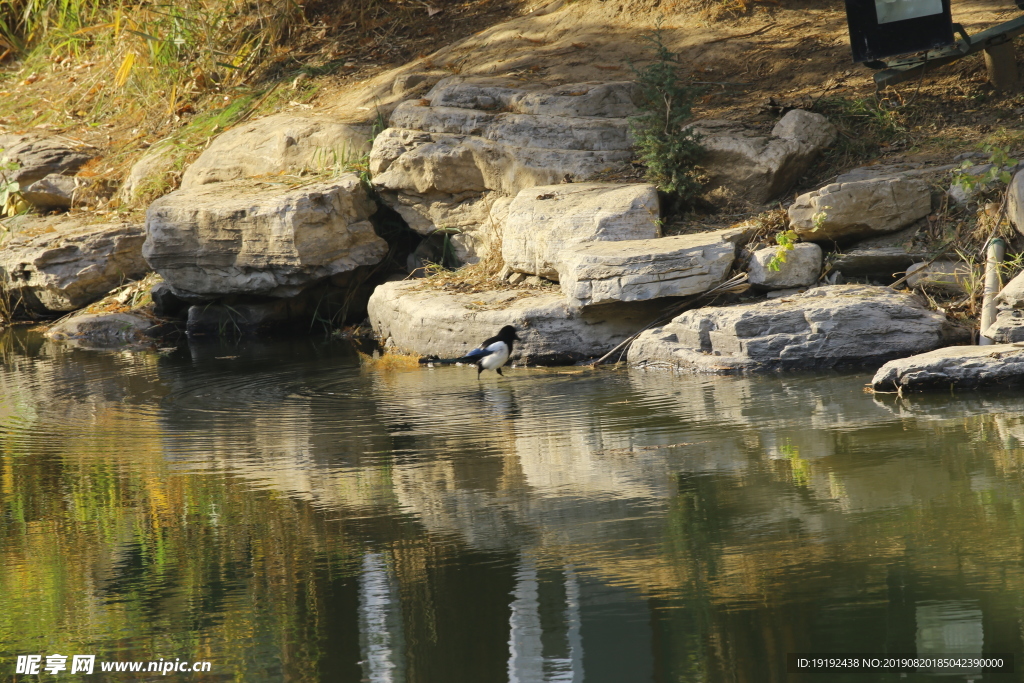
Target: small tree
665 144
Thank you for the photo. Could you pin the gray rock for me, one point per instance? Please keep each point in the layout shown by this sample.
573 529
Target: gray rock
843 325
544 221
103 330
859 209
256 237
277 144
62 263
149 172
1015 201
945 277
903 170
756 167
800 269
444 154
56 191
960 367
406 84
39 156
639 270
1008 327
427 322
473 221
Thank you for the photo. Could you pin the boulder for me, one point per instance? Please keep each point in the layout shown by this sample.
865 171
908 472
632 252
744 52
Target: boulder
905 169
61 263
38 156
842 325
639 270
758 167
256 237
278 144
1008 327
149 173
428 322
960 367
885 257
104 330
1015 201
943 277
473 221
445 153
546 220
801 268
858 209
57 191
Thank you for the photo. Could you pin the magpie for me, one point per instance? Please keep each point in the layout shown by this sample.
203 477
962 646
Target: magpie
490 355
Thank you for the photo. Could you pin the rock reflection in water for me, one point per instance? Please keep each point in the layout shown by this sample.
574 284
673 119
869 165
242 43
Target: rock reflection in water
291 515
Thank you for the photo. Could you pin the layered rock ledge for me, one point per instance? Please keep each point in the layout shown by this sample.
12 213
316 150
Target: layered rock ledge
824 327
960 367
427 322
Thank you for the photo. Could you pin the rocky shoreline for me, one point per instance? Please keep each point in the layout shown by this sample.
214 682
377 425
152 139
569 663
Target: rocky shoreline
507 181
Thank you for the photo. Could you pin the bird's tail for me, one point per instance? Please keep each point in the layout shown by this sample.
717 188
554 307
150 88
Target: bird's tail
443 361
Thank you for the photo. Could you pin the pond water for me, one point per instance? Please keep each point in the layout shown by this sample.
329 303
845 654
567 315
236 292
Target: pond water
288 513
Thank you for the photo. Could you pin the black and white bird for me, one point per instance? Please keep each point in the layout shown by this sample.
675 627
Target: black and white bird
490 355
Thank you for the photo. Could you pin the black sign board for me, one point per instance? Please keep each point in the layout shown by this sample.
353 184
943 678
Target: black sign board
883 28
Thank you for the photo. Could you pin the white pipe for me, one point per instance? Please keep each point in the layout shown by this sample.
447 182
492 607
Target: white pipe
994 258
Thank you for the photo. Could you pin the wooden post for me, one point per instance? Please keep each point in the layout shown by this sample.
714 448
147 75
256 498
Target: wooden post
1001 64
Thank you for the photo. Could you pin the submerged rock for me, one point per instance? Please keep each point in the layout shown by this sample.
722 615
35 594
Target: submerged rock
960 367
429 322
546 220
842 325
62 263
256 237
104 330
639 270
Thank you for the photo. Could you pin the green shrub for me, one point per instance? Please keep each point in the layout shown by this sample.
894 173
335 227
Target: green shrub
665 144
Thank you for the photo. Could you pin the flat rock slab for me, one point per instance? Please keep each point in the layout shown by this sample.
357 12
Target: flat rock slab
954 367
277 144
255 237
428 322
546 220
844 325
103 330
640 270
863 208
62 263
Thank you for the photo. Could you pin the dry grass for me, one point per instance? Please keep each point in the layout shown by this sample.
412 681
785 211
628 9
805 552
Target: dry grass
389 361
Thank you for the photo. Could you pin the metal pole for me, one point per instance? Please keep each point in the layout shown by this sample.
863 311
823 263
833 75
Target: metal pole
996 249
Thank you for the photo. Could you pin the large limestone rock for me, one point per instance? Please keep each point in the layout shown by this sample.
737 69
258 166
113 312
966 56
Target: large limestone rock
256 237
445 154
800 269
943 277
278 144
961 367
863 208
757 167
546 220
62 263
1008 327
426 322
844 325
149 173
38 156
639 270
